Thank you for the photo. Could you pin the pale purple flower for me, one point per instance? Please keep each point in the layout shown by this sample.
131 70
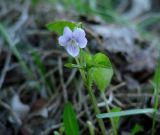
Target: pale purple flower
72 41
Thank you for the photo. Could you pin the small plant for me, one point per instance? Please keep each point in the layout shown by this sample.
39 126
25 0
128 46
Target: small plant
71 126
95 69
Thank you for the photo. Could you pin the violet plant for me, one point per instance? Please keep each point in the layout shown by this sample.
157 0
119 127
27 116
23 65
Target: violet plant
95 69
73 42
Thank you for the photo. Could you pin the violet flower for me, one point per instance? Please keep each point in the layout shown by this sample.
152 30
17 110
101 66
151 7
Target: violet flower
72 41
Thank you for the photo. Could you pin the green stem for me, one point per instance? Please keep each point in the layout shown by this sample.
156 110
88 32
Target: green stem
81 71
108 110
93 100
155 108
91 128
97 111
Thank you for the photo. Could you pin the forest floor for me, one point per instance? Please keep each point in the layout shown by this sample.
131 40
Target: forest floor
34 84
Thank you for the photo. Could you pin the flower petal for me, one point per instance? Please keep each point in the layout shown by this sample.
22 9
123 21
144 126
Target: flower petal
62 40
82 42
78 32
72 49
67 35
79 36
67 32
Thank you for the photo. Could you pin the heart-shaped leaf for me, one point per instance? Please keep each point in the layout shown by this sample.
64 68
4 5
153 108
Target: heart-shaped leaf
102 77
58 26
102 60
101 72
85 59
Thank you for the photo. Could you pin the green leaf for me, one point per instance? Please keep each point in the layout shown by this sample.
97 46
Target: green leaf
116 119
34 2
100 70
102 60
156 84
70 122
70 65
125 113
85 58
102 77
137 128
157 77
59 26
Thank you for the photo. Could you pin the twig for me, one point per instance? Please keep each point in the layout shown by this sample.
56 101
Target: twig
61 79
47 131
72 75
7 107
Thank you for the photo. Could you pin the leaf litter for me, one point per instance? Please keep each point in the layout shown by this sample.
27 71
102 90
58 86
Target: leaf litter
133 57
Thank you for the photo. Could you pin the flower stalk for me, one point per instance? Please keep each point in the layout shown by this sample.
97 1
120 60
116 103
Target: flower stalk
108 110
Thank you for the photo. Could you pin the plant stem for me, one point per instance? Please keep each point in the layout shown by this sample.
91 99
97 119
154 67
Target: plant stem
155 107
91 128
93 100
81 71
108 110
96 109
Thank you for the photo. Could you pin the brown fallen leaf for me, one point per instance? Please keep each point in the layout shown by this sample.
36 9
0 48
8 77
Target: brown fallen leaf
121 39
